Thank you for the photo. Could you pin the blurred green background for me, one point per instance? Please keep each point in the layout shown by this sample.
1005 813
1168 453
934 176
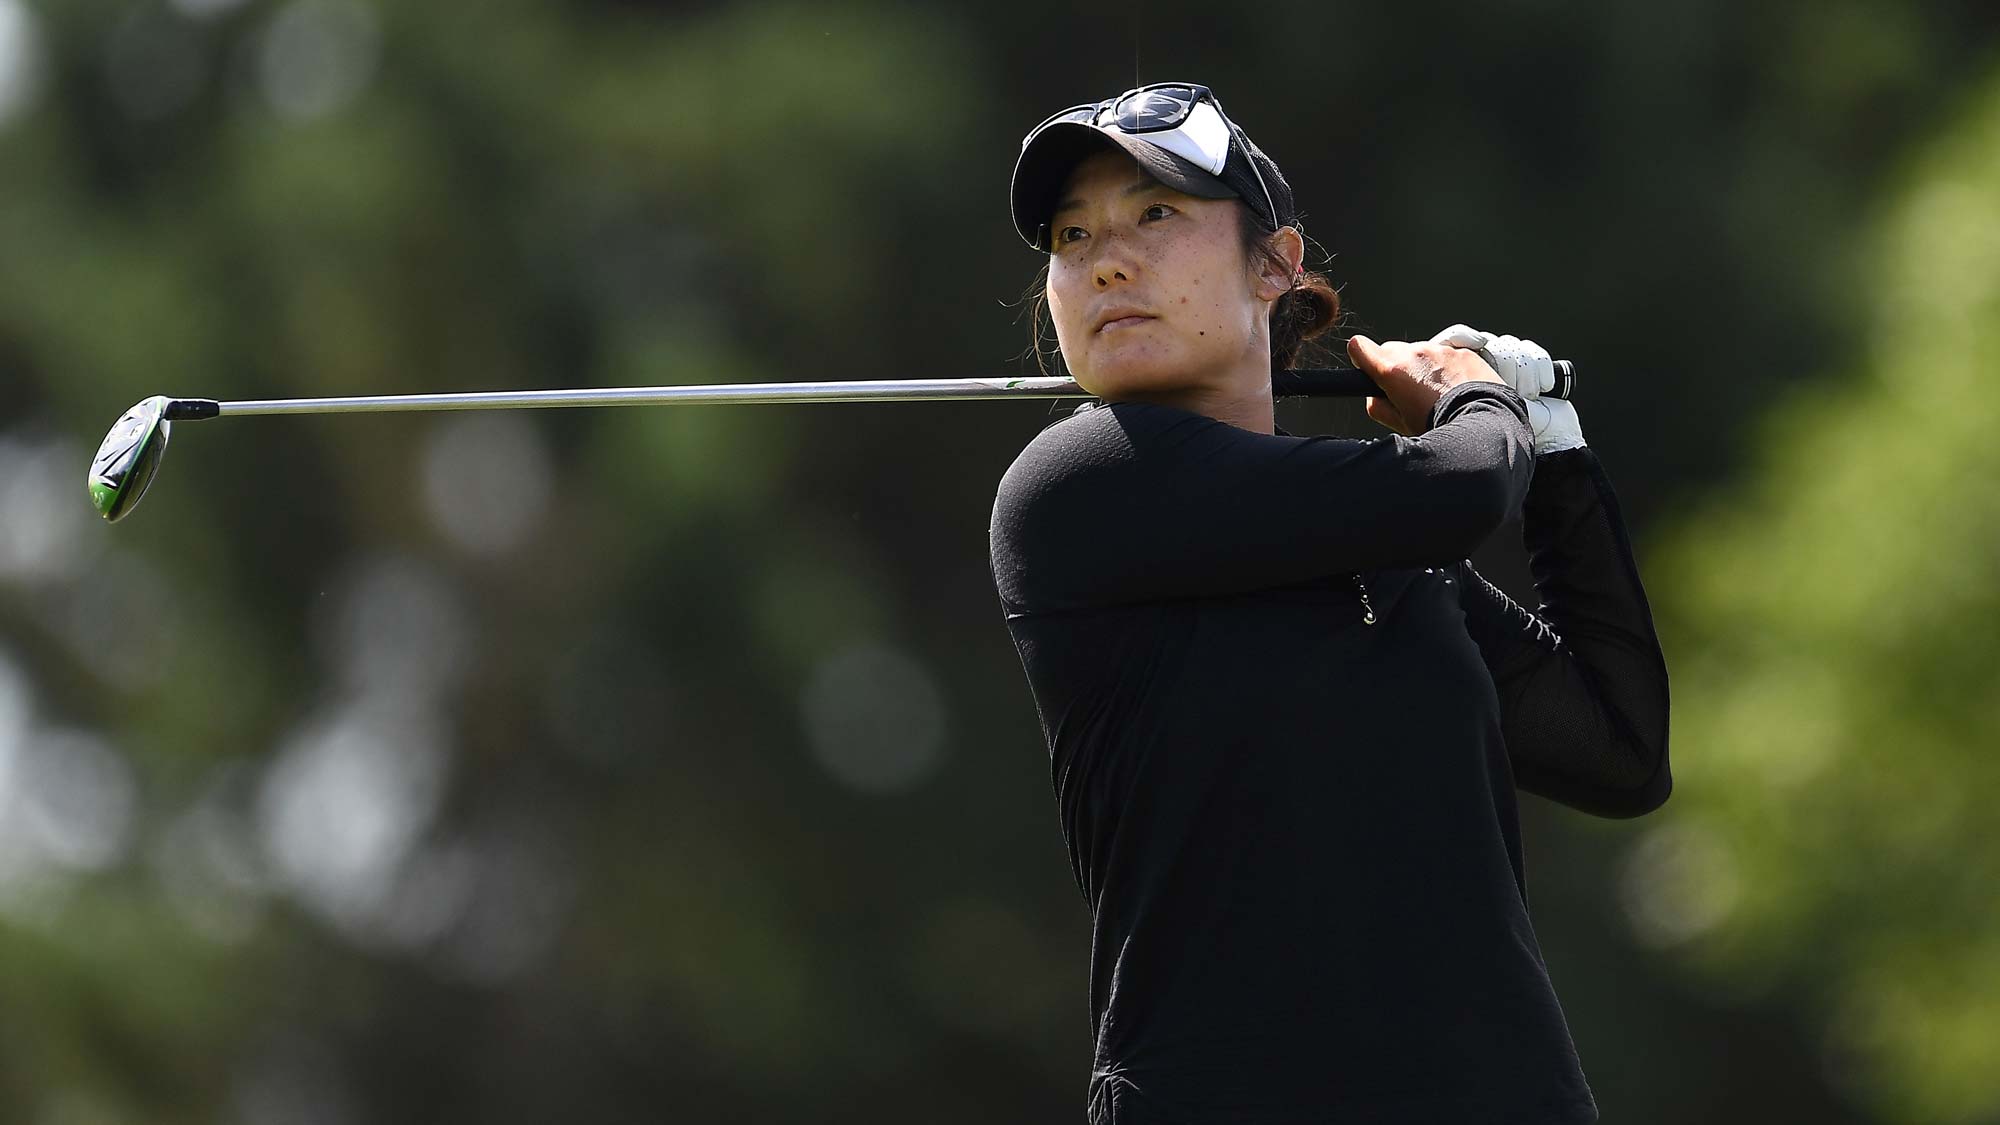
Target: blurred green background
675 765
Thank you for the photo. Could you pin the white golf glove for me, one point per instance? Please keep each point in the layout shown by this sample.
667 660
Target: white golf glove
1526 367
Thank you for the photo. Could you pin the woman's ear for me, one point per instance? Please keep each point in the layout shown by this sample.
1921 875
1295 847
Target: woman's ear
1289 255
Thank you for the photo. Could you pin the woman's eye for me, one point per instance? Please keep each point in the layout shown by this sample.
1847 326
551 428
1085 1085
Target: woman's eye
1156 211
1069 234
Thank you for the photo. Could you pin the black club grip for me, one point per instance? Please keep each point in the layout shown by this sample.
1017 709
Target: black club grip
1347 382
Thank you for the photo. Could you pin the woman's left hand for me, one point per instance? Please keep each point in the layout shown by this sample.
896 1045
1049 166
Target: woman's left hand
1437 354
1385 413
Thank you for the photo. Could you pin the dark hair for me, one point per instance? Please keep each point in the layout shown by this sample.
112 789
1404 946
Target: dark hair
1308 309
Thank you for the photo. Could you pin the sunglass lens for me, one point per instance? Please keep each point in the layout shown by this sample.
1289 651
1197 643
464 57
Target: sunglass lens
1151 110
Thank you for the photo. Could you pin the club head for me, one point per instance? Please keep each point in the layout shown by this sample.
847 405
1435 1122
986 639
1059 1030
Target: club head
125 463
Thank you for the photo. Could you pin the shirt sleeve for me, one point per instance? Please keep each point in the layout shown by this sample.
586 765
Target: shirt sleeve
1136 502
1581 679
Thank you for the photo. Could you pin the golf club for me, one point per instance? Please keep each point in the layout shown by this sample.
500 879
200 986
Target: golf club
129 457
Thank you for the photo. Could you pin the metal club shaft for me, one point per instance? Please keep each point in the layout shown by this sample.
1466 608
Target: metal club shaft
882 390
1312 383
129 457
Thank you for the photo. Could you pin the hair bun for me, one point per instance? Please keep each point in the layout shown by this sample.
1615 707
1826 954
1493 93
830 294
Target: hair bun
1307 310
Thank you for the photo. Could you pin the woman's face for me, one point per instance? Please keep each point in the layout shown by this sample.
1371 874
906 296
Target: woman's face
1150 289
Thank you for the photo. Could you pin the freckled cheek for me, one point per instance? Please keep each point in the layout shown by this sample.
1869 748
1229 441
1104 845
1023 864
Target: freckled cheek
1213 319
1214 316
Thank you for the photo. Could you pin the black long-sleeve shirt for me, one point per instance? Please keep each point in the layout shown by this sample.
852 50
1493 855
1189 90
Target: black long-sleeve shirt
1295 827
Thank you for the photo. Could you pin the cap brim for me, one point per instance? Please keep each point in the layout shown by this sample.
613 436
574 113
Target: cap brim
1055 152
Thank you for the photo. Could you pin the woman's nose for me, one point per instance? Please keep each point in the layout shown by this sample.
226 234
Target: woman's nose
1114 264
1113 259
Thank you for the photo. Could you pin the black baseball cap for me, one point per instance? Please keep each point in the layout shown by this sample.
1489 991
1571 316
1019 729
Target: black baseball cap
1176 131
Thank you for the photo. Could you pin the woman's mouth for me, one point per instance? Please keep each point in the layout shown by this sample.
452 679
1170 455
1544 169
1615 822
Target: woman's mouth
1123 322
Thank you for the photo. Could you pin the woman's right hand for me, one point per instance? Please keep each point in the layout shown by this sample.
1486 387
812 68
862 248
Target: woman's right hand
1413 377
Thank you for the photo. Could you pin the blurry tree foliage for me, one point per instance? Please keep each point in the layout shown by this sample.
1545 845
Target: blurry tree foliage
1836 623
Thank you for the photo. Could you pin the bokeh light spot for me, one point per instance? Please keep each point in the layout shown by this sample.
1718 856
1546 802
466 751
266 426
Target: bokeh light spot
207 864
1679 883
430 896
345 802
119 618
76 796
42 502
487 480
520 895
874 718
294 1079
393 627
20 60
318 55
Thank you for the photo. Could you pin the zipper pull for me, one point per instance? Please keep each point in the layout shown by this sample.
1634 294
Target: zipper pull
1367 608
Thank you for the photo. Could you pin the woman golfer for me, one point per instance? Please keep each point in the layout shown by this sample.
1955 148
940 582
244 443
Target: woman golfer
1286 720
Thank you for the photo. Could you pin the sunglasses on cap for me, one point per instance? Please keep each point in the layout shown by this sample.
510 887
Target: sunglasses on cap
1183 118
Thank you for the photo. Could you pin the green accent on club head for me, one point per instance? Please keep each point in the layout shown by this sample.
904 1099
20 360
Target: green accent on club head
128 458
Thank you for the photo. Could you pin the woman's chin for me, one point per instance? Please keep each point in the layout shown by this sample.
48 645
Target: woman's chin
1134 376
